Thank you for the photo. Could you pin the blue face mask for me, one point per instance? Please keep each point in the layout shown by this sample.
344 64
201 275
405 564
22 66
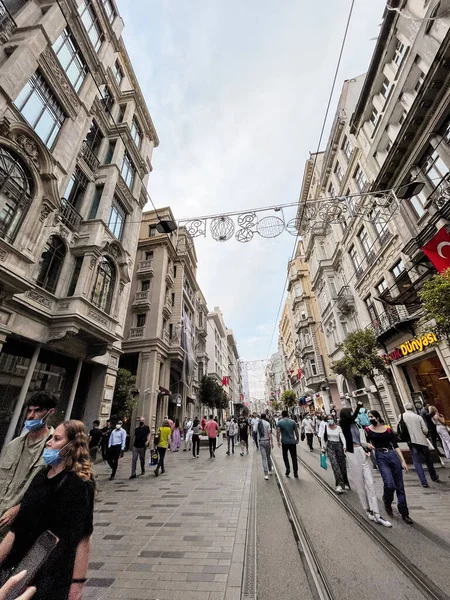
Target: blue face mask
34 424
52 456
330 422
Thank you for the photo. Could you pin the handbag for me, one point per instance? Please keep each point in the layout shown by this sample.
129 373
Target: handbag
323 461
402 431
303 436
157 437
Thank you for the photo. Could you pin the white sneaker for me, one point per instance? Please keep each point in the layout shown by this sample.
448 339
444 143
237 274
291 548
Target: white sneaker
339 489
370 515
266 477
379 519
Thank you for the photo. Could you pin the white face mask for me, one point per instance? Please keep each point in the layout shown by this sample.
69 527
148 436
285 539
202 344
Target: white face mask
118 426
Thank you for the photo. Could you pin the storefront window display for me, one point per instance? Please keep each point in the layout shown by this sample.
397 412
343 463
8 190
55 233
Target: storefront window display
427 375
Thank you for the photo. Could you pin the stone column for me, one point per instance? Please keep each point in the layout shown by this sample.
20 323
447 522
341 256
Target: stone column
73 389
21 399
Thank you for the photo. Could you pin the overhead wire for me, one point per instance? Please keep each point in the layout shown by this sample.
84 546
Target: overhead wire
330 99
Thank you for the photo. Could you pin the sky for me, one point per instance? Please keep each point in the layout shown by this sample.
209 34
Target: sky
237 90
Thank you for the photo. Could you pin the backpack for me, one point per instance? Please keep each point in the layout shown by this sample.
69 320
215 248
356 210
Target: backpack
363 418
402 431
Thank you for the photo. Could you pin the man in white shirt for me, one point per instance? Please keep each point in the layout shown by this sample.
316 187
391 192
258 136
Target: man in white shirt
254 424
116 446
308 428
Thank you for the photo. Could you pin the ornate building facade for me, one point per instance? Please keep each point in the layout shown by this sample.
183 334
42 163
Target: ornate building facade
76 141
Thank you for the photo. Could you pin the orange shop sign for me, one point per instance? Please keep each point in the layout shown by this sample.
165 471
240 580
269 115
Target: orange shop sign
416 345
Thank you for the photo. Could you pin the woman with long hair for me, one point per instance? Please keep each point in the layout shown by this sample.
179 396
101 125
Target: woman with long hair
335 446
390 463
358 465
60 499
176 437
439 421
195 438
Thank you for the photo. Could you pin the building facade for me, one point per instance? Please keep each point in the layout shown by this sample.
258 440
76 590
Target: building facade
390 132
166 328
76 141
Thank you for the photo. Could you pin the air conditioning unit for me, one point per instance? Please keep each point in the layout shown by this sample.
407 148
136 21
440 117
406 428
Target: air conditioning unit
360 392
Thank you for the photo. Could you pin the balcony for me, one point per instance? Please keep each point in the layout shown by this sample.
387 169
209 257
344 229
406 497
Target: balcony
142 300
7 24
440 196
69 216
201 330
89 157
145 268
169 277
167 308
395 319
137 332
345 300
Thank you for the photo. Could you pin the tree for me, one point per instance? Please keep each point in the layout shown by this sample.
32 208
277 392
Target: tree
276 405
435 298
125 395
289 399
207 391
361 358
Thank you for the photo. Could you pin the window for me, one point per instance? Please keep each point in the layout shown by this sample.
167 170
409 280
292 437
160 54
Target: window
15 194
116 219
50 264
344 328
298 289
371 309
347 148
420 81
152 231
398 269
379 222
175 272
70 58
107 98
128 170
41 109
148 255
418 203
364 239
173 299
136 133
382 287
145 285
312 362
360 178
76 188
140 320
388 146
386 88
96 201
399 53
103 291
374 117
75 275
434 167
90 22
331 191
354 257
109 10
94 138
338 171
332 285
402 116
432 18
110 152
117 72
121 114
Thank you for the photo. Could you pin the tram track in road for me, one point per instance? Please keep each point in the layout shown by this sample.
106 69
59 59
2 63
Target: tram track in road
319 584
421 581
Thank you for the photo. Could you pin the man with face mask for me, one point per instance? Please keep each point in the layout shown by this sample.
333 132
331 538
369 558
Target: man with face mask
141 438
308 429
116 446
22 458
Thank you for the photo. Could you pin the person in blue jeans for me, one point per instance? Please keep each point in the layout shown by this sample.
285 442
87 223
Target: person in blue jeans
390 463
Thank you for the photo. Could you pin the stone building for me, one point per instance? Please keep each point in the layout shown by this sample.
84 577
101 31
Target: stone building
76 141
166 324
391 129
234 373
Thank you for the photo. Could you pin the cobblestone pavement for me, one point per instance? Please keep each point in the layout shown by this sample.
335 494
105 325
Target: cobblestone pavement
181 535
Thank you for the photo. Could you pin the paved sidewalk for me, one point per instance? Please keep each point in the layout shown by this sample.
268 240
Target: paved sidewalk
181 535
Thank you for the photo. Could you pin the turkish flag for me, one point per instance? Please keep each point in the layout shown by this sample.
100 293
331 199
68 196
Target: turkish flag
438 250
299 374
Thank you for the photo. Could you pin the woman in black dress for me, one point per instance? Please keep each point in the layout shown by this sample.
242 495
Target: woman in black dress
60 499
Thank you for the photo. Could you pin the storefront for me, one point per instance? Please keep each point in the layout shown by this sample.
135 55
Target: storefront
420 371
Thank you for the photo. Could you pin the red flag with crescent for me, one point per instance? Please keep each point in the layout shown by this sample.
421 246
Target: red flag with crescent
438 250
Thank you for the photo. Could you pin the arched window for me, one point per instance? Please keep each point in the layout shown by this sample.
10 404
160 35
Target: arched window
15 194
103 291
50 264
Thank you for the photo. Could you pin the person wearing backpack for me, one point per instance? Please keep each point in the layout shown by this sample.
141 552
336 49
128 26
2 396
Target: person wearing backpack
412 426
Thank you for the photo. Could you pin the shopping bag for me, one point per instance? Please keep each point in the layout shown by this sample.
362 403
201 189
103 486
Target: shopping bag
323 461
153 458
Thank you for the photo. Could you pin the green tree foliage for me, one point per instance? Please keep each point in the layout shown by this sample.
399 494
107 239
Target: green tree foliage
360 356
276 406
435 298
207 391
288 399
125 395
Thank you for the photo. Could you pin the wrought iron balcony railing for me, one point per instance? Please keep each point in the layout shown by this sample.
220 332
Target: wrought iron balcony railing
89 157
70 217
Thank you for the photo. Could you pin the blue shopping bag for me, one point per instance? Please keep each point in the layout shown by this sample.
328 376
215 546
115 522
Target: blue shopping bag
323 461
